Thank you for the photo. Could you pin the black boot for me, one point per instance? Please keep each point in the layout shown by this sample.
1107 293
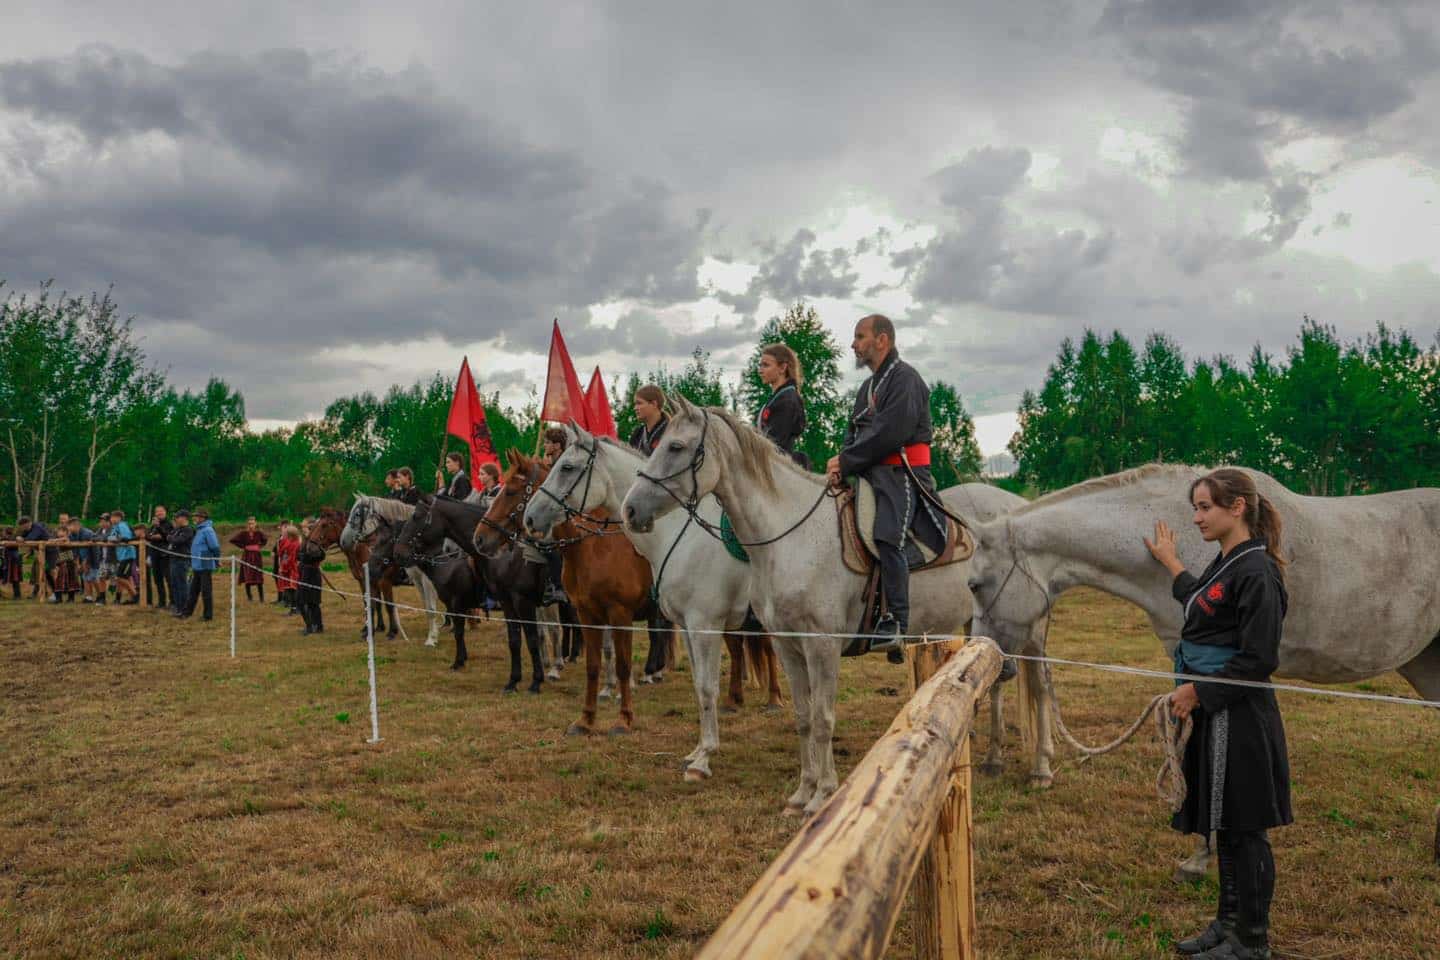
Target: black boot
895 582
1224 923
1253 869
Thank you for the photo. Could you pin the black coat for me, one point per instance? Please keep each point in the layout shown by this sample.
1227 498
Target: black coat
1237 766
892 411
458 488
644 440
408 495
782 419
159 536
179 543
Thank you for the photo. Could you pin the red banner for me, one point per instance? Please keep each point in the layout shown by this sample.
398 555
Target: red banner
467 420
597 408
564 400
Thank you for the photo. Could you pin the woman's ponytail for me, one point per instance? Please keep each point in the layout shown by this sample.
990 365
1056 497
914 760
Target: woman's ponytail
1269 525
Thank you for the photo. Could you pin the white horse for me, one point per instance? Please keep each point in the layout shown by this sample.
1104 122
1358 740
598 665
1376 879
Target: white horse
799 583
980 503
1362 572
701 587
366 515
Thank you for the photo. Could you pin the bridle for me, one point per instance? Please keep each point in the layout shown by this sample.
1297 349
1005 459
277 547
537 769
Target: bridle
1017 564
516 536
691 504
421 558
603 524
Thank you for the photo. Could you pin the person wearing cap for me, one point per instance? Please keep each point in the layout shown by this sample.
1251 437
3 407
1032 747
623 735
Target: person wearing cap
177 547
204 560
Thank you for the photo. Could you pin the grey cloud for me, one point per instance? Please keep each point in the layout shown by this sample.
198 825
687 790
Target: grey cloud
639 333
1223 140
986 172
796 270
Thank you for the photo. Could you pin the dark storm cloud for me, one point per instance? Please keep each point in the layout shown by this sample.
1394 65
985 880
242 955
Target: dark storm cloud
986 172
287 184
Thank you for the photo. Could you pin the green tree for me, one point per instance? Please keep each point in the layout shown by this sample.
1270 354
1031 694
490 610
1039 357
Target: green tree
955 453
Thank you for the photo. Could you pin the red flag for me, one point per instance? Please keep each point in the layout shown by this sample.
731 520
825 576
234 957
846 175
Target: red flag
597 408
564 400
467 419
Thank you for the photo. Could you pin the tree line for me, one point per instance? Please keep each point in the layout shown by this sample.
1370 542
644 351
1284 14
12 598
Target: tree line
1327 418
88 424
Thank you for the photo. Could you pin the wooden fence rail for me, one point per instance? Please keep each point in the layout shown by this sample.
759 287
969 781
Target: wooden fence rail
837 889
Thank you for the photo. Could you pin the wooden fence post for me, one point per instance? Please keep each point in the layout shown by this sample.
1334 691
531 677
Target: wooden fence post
944 898
144 572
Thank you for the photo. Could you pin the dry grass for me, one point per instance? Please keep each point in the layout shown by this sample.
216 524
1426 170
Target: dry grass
163 800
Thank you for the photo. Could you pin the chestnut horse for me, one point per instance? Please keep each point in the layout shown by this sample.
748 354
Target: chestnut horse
607 581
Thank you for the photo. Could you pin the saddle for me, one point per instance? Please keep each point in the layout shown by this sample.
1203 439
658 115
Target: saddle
855 512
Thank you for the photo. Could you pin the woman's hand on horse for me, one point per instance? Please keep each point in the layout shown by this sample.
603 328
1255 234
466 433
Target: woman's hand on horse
1183 701
1162 548
832 471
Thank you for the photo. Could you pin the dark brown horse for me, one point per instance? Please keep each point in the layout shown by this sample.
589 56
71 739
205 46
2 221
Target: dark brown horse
758 651
325 533
607 581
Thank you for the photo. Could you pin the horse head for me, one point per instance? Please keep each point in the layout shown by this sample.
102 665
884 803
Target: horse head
573 486
501 522
355 524
418 535
1009 595
679 473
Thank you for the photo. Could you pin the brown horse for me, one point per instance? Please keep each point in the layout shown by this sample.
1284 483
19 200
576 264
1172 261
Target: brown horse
325 533
608 582
760 653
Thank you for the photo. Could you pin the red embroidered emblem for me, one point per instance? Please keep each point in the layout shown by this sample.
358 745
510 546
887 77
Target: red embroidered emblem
1216 592
1205 606
765 414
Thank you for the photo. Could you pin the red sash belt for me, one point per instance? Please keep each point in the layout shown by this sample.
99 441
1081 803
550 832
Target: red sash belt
917 453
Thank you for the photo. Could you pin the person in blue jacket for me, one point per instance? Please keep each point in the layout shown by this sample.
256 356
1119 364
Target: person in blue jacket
121 533
204 560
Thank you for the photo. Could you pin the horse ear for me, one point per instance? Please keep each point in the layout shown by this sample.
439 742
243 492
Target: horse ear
577 432
683 405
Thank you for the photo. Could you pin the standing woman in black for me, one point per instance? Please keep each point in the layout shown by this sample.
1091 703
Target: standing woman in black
782 419
1237 768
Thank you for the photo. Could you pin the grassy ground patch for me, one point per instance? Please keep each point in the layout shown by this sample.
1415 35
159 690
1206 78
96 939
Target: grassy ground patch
159 799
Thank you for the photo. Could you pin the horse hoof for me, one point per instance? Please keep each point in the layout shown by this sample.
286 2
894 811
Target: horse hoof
458 665
553 675
1186 874
792 810
511 687
391 634
772 708
534 688
1039 782
577 730
694 775
619 730
432 643
992 768
729 709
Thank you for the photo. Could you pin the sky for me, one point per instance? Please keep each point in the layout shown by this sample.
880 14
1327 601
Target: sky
309 200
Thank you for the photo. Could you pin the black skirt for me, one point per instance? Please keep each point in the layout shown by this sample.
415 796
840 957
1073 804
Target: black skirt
1237 769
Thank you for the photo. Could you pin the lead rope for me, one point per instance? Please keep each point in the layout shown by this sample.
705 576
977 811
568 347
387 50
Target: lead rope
1174 734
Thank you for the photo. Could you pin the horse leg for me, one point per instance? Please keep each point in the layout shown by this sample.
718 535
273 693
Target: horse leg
822 659
388 591
1042 776
594 643
537 665
794 659
461 654
704 654
1423 673
735 699
772 676
608 651
512 634
623 663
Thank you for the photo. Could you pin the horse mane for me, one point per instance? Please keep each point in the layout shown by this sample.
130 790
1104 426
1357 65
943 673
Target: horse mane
1112 481
393 511
758 454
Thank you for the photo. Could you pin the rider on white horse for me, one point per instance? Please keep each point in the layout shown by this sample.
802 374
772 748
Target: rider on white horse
888 443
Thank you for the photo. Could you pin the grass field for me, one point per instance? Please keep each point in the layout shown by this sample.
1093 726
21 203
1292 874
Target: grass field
159 799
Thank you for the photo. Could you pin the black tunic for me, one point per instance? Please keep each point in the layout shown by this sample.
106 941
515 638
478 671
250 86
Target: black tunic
644 439
892 411
459 487
1237 768
782 419
408 495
